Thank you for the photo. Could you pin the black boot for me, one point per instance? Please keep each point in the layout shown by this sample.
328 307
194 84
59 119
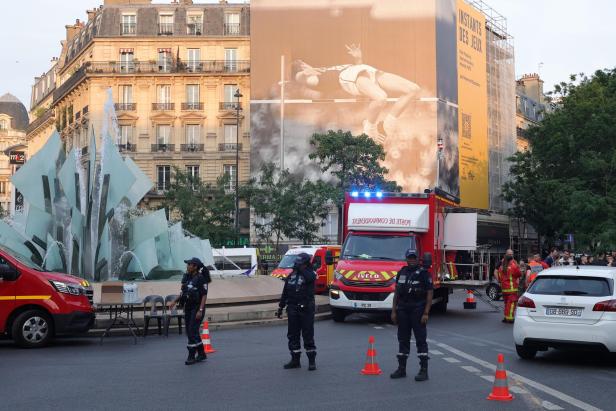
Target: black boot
422 375
191 356
401 371
294 363
312 365
201 355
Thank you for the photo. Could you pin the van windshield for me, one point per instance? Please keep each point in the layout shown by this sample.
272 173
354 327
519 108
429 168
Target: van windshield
287 261
377 247
22 259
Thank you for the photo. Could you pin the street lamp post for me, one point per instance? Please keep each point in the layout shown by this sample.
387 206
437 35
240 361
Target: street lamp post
439 153
237 95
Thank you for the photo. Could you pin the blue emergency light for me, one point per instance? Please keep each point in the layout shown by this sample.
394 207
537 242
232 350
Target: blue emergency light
379 194
355 194
367 194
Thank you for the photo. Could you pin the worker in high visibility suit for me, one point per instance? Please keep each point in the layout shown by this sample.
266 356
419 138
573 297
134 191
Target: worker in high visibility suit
509 277
535 266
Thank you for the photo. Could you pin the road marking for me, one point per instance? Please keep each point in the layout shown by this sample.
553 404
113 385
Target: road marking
472 369
549 406
534 384
489 378
378 328
451 360
517 390
436 352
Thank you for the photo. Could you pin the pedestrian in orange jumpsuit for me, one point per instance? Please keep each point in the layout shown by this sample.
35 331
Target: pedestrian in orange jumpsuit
509 277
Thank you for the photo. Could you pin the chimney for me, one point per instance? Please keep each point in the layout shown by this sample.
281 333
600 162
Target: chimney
71 31
91 14
533 87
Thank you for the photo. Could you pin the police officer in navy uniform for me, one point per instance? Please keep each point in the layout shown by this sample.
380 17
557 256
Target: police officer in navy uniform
412 302
298 297
194 294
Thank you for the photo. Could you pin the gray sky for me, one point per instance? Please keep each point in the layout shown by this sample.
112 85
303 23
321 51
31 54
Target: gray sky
567 36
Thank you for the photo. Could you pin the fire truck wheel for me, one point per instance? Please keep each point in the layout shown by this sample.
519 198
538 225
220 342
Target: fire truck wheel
338 315
493 292
32 329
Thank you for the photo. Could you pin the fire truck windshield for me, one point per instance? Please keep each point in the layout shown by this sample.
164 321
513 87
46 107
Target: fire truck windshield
376 247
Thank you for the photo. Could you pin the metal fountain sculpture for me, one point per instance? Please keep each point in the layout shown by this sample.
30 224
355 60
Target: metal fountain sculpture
80 216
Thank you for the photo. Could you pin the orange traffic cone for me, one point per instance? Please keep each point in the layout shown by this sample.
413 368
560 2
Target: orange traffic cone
371 367
470 303
500 390
205 338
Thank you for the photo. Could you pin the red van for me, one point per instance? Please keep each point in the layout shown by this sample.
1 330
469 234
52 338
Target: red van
36 305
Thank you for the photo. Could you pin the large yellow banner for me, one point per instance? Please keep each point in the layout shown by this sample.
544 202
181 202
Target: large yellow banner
472 106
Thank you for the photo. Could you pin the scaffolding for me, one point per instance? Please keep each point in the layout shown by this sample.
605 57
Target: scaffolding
501 102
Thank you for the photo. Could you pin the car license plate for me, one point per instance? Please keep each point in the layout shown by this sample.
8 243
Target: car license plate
362 305
564 312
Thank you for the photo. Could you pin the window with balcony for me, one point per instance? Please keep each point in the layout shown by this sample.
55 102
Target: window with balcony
4 124
126 99
163 93
128 26
164 60
125 139
230 171
163 134
165 24
164 178
127 64
228 102
192 98
232 24
3 185
194 25
231 60
194 61
193 134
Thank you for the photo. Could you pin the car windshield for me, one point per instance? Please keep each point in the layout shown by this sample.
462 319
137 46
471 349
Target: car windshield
22 259
376 247
287 261
572 285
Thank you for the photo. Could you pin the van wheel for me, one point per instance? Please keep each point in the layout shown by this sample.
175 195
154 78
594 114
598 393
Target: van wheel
338 315
526 353
493 292
32 329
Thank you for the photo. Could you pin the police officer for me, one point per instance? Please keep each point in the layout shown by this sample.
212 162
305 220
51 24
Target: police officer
193 297
298 297
412 302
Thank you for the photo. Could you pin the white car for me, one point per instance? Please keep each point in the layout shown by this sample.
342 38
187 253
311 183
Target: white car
567 307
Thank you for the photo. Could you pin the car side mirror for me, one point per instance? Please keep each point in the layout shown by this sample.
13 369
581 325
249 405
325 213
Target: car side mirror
329 258
8 273
427 260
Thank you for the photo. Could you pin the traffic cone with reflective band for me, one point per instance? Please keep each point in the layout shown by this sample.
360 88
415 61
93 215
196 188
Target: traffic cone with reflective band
500 390
470 303
205 338
371 367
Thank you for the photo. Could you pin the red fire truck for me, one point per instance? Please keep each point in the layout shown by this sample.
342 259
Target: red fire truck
379 228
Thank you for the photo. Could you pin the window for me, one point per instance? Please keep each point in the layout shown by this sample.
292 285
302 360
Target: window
193 171
126 62
229 93
126 94
192 95
194 57
230 171
3 187
572 285
231 60
126 134
165 24
164 178
3 124
163 134
232 24
129 24
192 134
164 93
230 135
164 60
316 262
194 24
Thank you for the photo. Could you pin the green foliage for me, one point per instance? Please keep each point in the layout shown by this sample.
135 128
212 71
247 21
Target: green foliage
205 209
566 183
286 206
353 160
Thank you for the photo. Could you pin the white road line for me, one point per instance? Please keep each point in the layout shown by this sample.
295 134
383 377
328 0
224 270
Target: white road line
378 328
517 390
549 406
472 369
534 384
489 378
436 352
451 360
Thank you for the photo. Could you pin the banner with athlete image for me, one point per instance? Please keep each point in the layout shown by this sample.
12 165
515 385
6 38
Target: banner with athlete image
368 66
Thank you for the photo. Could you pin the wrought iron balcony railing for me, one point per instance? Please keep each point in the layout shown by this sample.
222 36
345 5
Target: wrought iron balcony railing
229 105
125 106
162 148
191 147
232 29
192 106
163 106
229 147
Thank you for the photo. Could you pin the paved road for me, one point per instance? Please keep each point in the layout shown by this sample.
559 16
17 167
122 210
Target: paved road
246 371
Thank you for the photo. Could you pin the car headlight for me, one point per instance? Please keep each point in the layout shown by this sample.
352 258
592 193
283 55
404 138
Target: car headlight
337 275
67 288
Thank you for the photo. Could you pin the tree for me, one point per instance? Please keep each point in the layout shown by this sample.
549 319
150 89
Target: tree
566 182
354 161
205 209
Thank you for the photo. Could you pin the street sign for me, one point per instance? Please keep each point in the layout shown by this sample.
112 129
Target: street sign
17 157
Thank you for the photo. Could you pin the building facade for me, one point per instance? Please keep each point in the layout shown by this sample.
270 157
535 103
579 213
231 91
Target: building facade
13 124
174 71
530 106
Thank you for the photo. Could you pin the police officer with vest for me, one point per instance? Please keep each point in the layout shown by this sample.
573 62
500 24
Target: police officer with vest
412 302
194 294
298 297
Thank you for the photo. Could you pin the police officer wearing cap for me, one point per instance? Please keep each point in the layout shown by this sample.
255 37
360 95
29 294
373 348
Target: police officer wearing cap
298 297
411 307
194 294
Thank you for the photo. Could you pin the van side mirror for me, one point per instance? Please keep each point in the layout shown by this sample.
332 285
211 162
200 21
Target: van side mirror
427 260
329 258
8 273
